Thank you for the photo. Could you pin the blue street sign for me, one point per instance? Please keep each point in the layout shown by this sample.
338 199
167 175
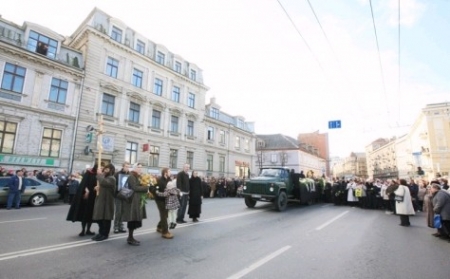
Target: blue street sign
335 124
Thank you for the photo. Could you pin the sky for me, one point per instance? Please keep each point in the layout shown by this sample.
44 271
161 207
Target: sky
291 66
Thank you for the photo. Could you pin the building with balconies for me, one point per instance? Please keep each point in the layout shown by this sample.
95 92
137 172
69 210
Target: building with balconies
382 159
41 80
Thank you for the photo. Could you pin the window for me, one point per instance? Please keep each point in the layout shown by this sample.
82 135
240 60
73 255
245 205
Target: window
156 119
131 152
215 113
210 133
176 94
42 44
51 142
237 143
13 78
153 156
7 136
240 123
209 162
190 128
173 158
160 57
222 163
174 124
177 67
140 47
116 34
191 100
134 112
158 87
58 91
137 78
190 158
111 67
193 75
246 145
222 137
108 104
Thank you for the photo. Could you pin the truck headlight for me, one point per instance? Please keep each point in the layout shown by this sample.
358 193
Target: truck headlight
271 189
245 187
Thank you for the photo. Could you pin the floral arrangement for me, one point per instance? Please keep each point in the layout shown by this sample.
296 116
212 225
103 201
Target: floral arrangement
146 180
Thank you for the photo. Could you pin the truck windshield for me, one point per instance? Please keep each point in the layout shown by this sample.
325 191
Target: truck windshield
270 172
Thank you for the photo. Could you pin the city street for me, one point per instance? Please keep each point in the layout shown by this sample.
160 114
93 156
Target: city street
230 241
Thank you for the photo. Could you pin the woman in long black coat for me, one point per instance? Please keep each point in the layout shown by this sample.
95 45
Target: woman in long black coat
82 207
195 197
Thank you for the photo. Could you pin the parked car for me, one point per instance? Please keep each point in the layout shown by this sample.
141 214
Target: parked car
36 192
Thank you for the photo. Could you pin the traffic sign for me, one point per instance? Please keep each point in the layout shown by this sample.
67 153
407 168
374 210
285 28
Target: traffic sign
335 124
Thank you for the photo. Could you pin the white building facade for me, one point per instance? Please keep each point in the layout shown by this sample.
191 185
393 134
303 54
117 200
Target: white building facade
39 97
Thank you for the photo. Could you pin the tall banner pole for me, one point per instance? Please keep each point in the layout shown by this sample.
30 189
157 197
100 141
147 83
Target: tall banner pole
99 147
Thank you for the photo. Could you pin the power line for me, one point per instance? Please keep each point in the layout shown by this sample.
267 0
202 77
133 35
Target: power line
399 76
301 36
379 58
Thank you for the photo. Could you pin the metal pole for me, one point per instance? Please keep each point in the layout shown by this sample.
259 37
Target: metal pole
77 119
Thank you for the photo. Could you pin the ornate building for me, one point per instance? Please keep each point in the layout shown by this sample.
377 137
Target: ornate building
40 91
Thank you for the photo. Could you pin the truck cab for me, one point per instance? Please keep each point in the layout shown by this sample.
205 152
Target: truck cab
279 186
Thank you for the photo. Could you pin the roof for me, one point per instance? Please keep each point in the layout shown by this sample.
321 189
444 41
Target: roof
279 141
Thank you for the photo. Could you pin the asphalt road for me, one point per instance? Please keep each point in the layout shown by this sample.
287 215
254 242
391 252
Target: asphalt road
230 241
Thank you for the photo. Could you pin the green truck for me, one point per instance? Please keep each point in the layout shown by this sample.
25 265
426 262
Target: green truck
279 186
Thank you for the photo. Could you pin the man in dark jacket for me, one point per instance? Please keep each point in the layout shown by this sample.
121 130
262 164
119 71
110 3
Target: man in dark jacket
16 188
183 186
124 172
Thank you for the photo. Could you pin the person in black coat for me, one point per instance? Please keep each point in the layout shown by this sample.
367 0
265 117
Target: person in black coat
195 197
82 208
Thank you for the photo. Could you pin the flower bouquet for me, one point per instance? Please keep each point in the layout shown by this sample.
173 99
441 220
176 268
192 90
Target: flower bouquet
145 180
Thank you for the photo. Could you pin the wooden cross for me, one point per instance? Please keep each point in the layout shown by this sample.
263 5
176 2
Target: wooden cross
99 134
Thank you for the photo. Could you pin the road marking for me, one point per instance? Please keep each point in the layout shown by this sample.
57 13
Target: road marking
23 220
74 244
259 263
331 221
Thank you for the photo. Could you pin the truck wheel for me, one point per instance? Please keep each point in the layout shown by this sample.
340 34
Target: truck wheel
281 201
249 202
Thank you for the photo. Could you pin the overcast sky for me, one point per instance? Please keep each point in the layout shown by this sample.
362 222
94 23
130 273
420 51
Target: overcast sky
293 78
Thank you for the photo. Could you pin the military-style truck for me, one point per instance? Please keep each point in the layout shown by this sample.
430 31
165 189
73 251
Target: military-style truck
279 186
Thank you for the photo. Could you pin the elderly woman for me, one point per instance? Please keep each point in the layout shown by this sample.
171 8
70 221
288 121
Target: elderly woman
441 205
403 203
104 202
132 211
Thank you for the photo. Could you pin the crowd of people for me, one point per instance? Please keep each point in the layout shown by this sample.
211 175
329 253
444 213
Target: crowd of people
98 200
93 197
400 197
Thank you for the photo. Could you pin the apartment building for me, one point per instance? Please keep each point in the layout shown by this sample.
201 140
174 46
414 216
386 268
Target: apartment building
41 81
229 144
152 106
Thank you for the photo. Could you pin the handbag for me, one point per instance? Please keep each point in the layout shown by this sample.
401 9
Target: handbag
125 193
437 221
398 198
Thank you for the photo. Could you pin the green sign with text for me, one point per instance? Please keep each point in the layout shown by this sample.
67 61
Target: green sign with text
29 161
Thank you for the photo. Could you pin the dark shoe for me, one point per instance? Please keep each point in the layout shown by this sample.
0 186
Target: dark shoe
81 234
181 222
98 236
195 220
122 231
436 234
174 225
133 242
101 238
90 233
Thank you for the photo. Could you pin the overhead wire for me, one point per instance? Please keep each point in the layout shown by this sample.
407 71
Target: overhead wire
379 60
336 58
301 36
399 70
